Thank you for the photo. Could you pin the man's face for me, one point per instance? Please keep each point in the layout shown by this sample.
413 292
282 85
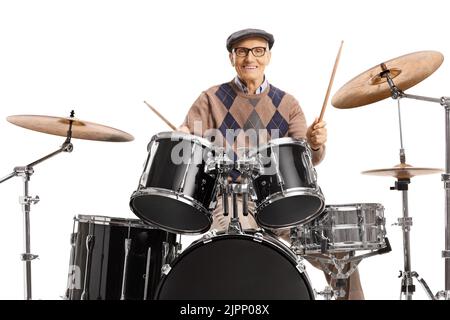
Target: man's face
250 68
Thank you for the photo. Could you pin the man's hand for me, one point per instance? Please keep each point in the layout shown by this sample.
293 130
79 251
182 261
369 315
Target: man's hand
317 134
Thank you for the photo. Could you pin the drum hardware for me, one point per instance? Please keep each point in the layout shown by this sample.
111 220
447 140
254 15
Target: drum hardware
247 166
26 201
127 248
403 173
147 274
347 259
90 240
71 279
328 293
279 178
221 164
69 127
391 79
235 190
180 188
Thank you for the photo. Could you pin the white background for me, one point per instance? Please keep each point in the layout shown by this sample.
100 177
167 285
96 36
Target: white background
104 58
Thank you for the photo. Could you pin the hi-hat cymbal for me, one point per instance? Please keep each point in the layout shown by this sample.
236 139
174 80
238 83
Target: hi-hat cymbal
402 171
80 129
369 86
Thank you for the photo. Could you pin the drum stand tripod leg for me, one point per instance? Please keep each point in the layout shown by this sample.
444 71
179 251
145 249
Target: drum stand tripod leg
407 285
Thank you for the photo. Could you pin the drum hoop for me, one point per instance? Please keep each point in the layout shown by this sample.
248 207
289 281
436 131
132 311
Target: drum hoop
182 136
266 238
355 206
282 141
176 196
171 194
293 192
113 221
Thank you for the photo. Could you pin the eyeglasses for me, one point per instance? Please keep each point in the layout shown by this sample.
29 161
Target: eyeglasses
256 51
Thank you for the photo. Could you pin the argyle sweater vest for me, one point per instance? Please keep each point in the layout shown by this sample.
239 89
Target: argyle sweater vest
272 114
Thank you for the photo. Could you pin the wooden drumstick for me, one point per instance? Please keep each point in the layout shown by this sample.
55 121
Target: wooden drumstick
331 83
161 117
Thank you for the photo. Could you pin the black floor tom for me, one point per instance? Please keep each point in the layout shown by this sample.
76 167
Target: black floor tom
116 258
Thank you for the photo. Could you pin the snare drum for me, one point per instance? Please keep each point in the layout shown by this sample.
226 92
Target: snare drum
176 192
250 266
344 228
115 258
286 190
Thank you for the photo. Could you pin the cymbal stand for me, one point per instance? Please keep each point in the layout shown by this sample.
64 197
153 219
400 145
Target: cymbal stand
26 201
398 94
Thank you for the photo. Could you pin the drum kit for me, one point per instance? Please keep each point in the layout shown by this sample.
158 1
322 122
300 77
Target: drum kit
184 178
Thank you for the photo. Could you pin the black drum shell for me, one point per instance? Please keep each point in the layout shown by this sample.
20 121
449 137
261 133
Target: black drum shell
303 199
105 275
159 200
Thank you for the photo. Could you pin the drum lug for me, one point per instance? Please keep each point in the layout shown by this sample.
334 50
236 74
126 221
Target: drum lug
300 265
311 175
209 235
165 269
258 237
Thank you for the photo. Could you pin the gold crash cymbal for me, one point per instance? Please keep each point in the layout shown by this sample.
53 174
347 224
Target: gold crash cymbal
402 171
80 129
369 87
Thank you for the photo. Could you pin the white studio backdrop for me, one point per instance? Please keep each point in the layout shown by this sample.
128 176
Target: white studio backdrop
104 58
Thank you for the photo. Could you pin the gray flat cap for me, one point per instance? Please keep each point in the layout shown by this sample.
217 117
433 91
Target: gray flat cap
248 33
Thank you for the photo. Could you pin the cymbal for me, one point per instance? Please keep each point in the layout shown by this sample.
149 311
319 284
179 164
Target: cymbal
80 129
402 171
369 87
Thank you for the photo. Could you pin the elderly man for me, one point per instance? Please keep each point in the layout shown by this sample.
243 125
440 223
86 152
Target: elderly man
249 102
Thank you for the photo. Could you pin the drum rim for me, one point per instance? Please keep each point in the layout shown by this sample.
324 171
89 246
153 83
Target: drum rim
282 141
175 196
183 136
355 206
342 248
289 193
113 221
248 234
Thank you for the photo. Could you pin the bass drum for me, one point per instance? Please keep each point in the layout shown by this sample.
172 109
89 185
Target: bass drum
250 266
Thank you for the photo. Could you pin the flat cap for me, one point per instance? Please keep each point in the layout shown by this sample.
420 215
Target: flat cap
248 33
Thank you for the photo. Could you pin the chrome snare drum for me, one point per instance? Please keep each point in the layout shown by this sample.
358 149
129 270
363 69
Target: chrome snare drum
286 190
175 192
116 258
343 228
